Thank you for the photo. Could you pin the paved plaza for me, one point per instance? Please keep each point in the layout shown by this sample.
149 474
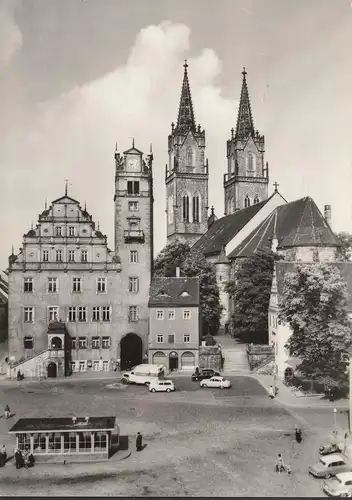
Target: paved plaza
199 441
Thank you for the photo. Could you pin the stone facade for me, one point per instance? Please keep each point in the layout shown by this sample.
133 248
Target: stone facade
66 272
247 177
186 175
134 238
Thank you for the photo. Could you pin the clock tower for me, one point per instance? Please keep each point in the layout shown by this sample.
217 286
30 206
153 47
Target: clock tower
134 246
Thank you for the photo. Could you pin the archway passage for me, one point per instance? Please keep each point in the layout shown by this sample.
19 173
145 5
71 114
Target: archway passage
187 361
131 351
173 361
52 370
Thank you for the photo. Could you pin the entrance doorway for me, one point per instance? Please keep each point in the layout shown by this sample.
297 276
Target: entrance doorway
173 361
52 370
131 351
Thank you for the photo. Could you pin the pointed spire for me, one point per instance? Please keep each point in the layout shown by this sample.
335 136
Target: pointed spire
32 225
245 126
66 184
185 120
46 204
13 250
85 205
133 142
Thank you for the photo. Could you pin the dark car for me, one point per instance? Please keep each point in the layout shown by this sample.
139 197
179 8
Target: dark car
205 374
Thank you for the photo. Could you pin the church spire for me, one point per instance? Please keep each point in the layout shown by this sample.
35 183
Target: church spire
185 119
245 126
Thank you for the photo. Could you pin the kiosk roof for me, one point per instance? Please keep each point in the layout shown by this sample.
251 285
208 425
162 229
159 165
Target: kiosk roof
63 424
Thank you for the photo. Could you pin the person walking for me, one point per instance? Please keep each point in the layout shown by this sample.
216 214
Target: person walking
279 466
298 434
139 442
7 411
3 452
271 392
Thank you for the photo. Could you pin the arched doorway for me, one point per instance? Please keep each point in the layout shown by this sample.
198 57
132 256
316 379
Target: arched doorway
187 361
173 361
52 370
131 351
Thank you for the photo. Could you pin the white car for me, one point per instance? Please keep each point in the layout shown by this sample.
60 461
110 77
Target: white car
161 386
220 382
339 486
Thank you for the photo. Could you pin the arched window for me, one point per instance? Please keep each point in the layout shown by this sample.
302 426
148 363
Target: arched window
189 157
185 208
256 199
250 161
195 208
170 209
247 201
254 164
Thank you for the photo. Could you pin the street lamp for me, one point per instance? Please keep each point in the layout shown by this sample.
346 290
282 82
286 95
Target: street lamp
346 357
335 411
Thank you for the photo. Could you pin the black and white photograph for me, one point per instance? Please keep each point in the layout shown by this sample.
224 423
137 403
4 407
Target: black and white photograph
176 248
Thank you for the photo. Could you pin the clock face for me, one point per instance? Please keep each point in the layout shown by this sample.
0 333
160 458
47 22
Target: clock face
133 163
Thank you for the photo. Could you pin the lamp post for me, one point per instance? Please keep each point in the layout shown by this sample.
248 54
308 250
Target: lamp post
346 357
335 411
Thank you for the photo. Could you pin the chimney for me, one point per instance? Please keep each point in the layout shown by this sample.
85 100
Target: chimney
74 420
177 272
87 420
327 214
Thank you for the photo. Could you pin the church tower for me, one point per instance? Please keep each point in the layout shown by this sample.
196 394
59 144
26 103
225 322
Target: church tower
186 175
134 247
247 178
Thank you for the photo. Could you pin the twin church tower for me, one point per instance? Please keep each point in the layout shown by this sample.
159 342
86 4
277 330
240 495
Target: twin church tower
187 172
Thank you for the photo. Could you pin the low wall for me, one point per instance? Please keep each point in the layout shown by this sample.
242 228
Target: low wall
259 355
210 357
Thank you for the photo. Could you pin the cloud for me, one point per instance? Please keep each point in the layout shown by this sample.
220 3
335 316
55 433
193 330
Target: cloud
74 135
10 34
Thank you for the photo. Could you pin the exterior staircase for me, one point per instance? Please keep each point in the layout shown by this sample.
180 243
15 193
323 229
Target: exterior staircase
234 354
30 367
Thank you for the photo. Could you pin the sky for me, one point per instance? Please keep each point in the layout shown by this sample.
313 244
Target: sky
78 76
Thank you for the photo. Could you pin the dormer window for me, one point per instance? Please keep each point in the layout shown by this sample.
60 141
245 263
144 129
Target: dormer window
161 293
184 294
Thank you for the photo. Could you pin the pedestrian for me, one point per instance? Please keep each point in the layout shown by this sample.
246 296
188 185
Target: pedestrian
3 452
7 411
298 434
271 392
139 442
279 466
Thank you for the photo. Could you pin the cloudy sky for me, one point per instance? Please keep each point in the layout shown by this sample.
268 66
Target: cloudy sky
76 76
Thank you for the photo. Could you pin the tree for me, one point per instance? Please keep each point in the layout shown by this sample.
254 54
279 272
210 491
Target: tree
313 304
250 291
193 263
346 248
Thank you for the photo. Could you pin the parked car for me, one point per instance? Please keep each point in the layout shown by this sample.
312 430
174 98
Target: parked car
328 449
217 381
161 386
204 374
339 486
330 465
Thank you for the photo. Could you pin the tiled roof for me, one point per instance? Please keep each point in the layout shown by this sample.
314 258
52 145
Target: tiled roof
165 292
345 269
223 230
63 424
299 223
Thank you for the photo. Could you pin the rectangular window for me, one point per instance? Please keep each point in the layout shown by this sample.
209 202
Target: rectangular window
186 314
71 230
133 285
159 314
101 285
133 256
28 285
52 285
96 313
84 255
132 313
96 366
28 343
105 310
82 342
133 187
58 255
160 339
72 314
105 342
96 343
82 366
171 314
171 338
53 313
29 314
105 366
133 206
77 284
186 338
82 313
59 231
74 343
71 255
45 255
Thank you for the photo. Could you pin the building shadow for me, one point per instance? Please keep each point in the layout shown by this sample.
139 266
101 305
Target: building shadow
120 444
